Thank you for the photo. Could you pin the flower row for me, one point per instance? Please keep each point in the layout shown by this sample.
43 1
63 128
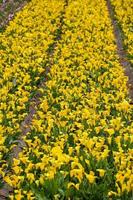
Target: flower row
24 55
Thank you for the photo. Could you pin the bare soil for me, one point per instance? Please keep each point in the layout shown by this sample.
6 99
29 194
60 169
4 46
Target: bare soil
121 52
8 8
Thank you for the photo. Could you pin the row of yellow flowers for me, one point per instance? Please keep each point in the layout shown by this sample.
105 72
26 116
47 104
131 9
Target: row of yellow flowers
79 146
124 14
24 49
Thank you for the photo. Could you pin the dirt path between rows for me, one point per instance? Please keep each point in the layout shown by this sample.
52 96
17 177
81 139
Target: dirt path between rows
8 8
121 52
34 102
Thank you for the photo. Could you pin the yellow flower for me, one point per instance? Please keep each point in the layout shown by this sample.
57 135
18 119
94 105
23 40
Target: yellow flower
56 196
30 177
70 150
85 113
110 193
110 131
98 129
17 169
19 195
87 162
101 172
91 177
8 180
56 151
51 174
2 140
78 173
44 105
74 185
11 197
123 106
41 179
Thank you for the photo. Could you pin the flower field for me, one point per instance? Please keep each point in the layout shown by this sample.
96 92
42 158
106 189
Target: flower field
79 145
123 13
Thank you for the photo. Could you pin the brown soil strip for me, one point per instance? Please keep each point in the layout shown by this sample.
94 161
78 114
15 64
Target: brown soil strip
34 102
8 8
121 52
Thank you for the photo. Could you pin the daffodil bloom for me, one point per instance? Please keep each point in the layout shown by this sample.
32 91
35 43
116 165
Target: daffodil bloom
78 173
91 177
101 172
110 193
76 186
30 177
19 195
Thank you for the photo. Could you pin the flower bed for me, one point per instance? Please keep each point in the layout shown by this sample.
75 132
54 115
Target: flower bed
79 146
24 55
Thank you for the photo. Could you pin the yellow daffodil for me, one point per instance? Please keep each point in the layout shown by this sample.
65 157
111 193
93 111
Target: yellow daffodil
76 186
101 172
91 177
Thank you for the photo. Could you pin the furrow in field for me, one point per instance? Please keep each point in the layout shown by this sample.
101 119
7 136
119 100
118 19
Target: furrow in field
122 25
123 11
